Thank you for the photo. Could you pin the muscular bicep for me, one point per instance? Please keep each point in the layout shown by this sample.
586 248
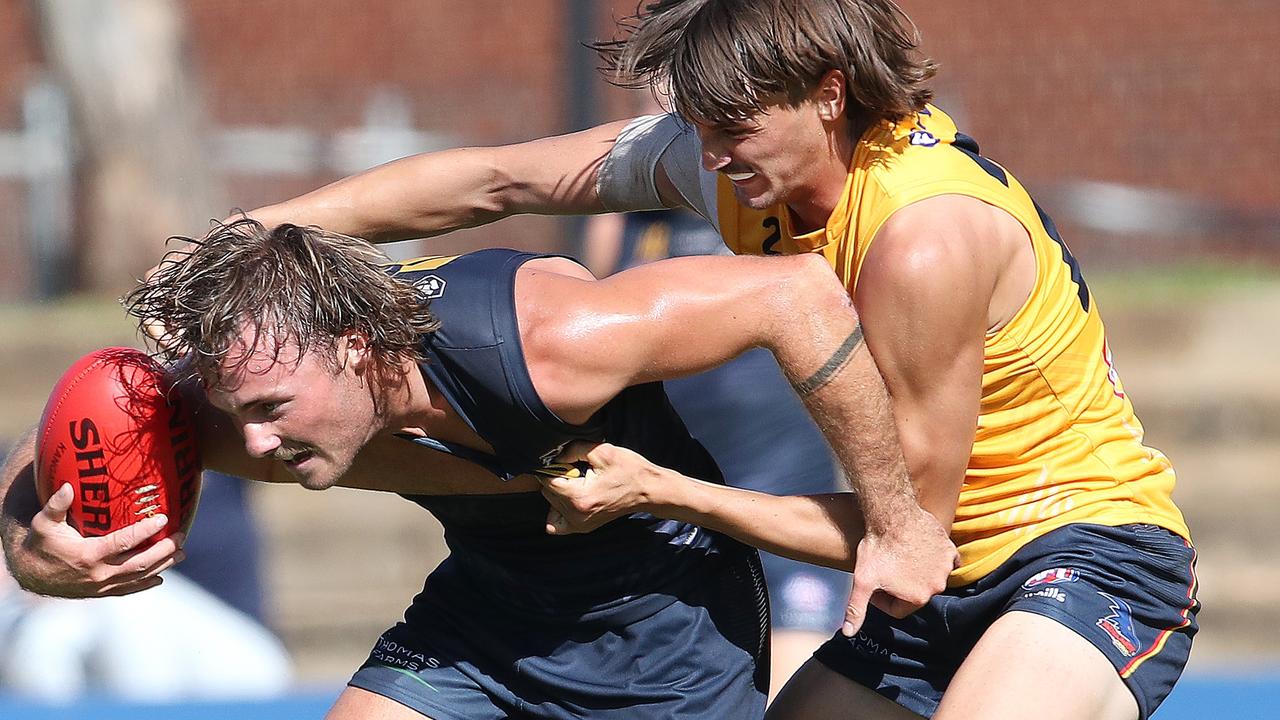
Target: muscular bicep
18 501
436 192
923 293
586 340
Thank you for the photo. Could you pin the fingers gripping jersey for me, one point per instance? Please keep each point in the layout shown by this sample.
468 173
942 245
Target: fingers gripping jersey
1057 439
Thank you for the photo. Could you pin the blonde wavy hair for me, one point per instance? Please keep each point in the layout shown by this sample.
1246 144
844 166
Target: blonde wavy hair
288 283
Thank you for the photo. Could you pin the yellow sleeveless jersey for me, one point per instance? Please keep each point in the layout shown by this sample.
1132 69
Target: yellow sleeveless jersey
1057 440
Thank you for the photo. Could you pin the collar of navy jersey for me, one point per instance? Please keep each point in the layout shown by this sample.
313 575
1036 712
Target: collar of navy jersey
549 468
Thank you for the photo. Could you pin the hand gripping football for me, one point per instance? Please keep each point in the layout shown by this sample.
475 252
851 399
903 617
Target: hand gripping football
113 430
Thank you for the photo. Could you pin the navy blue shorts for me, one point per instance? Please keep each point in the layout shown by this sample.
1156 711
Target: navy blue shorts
1129 590
703 656
805 597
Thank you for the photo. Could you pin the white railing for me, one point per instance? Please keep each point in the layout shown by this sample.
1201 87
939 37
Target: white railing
43 156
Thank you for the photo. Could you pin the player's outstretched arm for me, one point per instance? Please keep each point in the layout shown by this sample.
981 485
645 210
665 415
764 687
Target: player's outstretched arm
433 193
586 340
46 555
822 529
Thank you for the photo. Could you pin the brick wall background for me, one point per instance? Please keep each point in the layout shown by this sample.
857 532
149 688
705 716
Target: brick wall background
1175 96
1179 97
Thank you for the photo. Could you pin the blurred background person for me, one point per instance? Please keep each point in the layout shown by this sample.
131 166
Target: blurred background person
224 548
116 77
176 642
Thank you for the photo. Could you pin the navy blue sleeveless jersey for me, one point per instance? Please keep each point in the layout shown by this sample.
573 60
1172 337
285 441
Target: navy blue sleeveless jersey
498 543
643 618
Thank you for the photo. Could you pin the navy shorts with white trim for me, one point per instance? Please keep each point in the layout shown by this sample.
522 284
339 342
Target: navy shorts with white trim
1128 590
702 656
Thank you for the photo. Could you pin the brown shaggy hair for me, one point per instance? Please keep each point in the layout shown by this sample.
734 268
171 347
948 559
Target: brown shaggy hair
726 60
286 283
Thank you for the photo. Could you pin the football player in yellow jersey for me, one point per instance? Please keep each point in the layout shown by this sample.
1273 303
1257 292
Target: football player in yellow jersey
805 127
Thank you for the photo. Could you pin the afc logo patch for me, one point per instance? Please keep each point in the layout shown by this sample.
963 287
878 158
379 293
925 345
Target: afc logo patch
921 136
431 285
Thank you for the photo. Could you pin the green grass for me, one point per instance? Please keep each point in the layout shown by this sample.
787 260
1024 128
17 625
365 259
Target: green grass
39 341
1182 282
76 320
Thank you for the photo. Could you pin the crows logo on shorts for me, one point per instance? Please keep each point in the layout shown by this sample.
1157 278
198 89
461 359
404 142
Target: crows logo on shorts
1119 626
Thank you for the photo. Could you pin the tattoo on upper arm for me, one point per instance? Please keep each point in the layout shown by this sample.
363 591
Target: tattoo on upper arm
832 366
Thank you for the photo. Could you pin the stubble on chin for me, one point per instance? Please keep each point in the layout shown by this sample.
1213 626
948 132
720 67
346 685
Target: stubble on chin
314 483
325 479
763 201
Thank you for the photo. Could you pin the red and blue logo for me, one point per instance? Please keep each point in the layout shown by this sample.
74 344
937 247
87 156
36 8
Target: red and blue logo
1052 577
1119 626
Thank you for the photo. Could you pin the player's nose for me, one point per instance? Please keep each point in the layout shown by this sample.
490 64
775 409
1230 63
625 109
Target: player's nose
714 158
712 161
714 154
259 440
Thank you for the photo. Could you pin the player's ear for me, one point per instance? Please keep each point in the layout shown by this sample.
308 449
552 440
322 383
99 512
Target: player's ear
830 95
355 351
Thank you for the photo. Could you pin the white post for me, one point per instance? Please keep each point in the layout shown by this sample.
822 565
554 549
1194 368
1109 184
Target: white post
46 161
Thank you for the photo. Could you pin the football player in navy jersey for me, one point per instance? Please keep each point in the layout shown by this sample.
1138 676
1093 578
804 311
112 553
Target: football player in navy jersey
456 382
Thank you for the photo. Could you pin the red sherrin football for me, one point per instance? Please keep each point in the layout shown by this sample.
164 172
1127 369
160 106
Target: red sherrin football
125 443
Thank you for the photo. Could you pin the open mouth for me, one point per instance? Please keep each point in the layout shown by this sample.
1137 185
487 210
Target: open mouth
740 176
293 458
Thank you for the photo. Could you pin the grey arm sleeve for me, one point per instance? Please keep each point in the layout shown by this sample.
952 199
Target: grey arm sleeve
626 178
